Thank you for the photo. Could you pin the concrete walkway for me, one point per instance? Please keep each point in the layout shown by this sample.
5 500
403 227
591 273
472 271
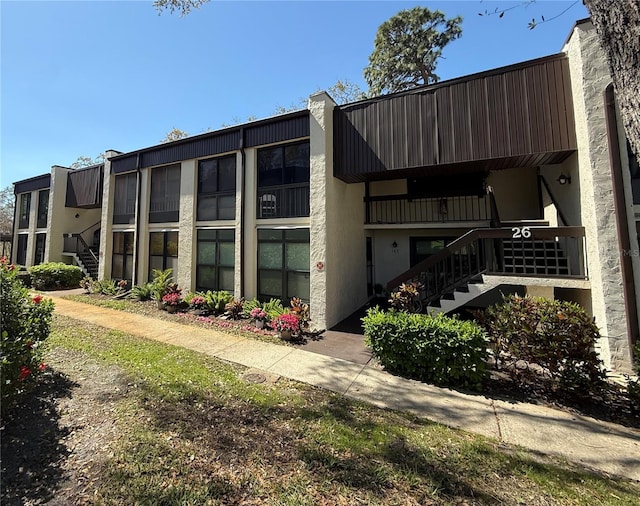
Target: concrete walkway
599 445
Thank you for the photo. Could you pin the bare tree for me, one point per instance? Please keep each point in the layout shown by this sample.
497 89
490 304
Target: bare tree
175 134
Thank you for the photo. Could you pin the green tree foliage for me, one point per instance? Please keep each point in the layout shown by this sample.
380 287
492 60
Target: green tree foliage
407 48
7 201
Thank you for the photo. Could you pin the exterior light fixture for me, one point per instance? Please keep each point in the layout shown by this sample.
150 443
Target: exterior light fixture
394 245
563 179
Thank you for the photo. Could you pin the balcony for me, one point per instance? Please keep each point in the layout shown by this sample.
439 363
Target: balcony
403 209
285 201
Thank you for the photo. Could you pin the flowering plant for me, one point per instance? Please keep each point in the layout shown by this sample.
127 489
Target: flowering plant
258 314
171 299
286 322
198 302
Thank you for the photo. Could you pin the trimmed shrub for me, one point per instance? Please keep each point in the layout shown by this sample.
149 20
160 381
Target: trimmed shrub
541 338
25 326
436 349
55 275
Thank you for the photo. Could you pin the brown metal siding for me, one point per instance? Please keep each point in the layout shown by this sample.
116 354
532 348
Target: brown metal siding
278 129
519 114
32 184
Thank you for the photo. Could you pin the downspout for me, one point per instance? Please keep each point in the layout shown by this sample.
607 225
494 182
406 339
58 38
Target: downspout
136 249
624 241
242 205
12 256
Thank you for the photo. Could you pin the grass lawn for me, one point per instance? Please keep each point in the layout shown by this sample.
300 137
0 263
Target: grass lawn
187 429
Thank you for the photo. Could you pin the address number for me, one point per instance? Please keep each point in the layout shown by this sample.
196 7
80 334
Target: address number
521 232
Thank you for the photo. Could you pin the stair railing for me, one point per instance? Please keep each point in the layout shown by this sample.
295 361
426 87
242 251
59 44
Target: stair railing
477 252
73 243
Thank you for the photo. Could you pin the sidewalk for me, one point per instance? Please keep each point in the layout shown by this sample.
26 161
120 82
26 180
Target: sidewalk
603 446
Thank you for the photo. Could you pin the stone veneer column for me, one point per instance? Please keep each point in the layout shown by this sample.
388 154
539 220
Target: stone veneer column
589 78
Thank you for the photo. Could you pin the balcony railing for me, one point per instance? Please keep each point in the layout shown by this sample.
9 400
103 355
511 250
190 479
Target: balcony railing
393 209
286 201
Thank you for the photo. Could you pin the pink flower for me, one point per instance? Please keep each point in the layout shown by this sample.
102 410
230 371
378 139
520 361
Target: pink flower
42 367
171 299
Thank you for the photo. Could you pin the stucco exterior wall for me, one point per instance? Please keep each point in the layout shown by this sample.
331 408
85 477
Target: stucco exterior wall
106 220
516 193
391 187
185 277
567 195
589 78
338 248
65 220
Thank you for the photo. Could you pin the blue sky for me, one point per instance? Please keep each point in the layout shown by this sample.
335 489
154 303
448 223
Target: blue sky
80 77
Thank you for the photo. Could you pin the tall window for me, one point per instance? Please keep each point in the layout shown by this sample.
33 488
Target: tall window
283 181
124 202
38 256
43 208
165 194
25 210
122 258
217 189
283 264
216 260
21 251
163 252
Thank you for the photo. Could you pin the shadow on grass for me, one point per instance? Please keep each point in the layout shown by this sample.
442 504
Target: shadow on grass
333 440
33 443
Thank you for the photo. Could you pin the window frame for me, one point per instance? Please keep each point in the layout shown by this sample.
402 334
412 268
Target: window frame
216 263
39 249
288 197
217 194
165 254
285 272
168 198
25 214
43 214
123 200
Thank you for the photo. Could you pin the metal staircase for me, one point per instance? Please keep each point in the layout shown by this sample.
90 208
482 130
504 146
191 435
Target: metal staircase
463 270
88 261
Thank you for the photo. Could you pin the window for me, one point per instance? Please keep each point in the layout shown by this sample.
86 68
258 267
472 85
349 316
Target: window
124 205
21 253
41 240
283 264
25 210
216 260
217 189
165 194
122 258
43 208
163 252
283 181
422 248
